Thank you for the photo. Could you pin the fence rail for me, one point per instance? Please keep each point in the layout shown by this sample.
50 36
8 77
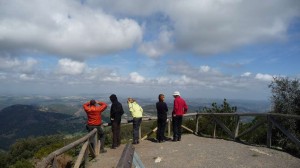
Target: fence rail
86 149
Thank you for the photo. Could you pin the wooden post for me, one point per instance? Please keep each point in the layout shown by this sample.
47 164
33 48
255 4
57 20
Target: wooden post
148 134
188 129
140 132
215 129
169 127
55 163
197 123
82 154
269 133
97 144
237 127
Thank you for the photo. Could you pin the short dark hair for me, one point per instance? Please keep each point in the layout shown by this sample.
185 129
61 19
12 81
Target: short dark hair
92 102
160 97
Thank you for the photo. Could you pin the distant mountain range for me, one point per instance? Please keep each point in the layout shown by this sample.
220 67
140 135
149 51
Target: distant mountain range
21 121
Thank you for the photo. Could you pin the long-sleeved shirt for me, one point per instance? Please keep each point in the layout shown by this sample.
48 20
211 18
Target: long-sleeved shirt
180 107
162 110
135 109
94 112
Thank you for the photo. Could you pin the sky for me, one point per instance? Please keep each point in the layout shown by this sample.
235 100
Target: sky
139 48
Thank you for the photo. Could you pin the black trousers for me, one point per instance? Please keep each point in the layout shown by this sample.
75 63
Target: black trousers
177 122
136 126
101 134
116 130
161 127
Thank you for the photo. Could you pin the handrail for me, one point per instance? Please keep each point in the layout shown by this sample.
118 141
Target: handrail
51 157
270 120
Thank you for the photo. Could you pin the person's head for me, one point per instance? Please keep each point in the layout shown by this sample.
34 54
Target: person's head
161 97
92 102
113 98
176 94
130 100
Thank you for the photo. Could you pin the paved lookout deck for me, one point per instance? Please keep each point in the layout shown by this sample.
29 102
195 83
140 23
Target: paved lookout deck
193 151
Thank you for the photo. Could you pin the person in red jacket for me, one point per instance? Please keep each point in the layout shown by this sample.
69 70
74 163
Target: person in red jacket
93 110
179 109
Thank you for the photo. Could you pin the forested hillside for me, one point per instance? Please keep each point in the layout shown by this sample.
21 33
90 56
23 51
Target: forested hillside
22 121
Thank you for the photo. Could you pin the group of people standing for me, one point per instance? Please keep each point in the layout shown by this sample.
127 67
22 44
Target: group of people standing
94 109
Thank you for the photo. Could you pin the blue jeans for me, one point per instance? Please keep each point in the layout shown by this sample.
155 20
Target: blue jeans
136 126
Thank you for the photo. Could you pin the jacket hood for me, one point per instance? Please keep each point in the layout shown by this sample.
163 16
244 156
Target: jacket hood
113 98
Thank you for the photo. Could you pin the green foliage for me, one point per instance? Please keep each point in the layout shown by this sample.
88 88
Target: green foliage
224 108
24 150
258 136
22 164
3 159
286 100
229 121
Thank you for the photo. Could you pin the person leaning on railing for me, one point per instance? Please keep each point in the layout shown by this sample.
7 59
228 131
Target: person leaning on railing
93 110
137 114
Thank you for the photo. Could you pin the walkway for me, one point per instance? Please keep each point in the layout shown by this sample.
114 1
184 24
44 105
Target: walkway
193 151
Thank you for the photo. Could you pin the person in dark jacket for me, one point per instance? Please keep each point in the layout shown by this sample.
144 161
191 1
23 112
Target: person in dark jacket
116 112
162 110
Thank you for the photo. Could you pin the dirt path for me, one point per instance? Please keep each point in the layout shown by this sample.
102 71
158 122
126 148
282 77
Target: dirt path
193 151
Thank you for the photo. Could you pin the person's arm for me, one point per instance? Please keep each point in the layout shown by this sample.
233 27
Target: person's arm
166 107
86 106
185 107
103 106
112 112
175 109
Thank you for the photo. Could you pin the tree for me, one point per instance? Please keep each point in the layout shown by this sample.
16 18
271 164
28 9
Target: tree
285 95
286 100
229 121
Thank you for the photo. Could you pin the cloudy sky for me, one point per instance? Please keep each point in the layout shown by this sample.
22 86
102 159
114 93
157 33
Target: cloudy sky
140 48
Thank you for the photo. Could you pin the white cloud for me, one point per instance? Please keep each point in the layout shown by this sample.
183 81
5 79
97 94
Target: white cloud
136 78
264 77
113 77
163 80
26 77
65 28
69 67
157 47
204 68
9 64
212 26
246 74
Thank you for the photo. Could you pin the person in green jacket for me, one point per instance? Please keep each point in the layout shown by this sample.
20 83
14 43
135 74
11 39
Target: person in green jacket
137 113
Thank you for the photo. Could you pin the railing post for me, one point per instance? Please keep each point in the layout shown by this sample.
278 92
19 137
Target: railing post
269 133
215 129
140 132
197 124
237 127
169 127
